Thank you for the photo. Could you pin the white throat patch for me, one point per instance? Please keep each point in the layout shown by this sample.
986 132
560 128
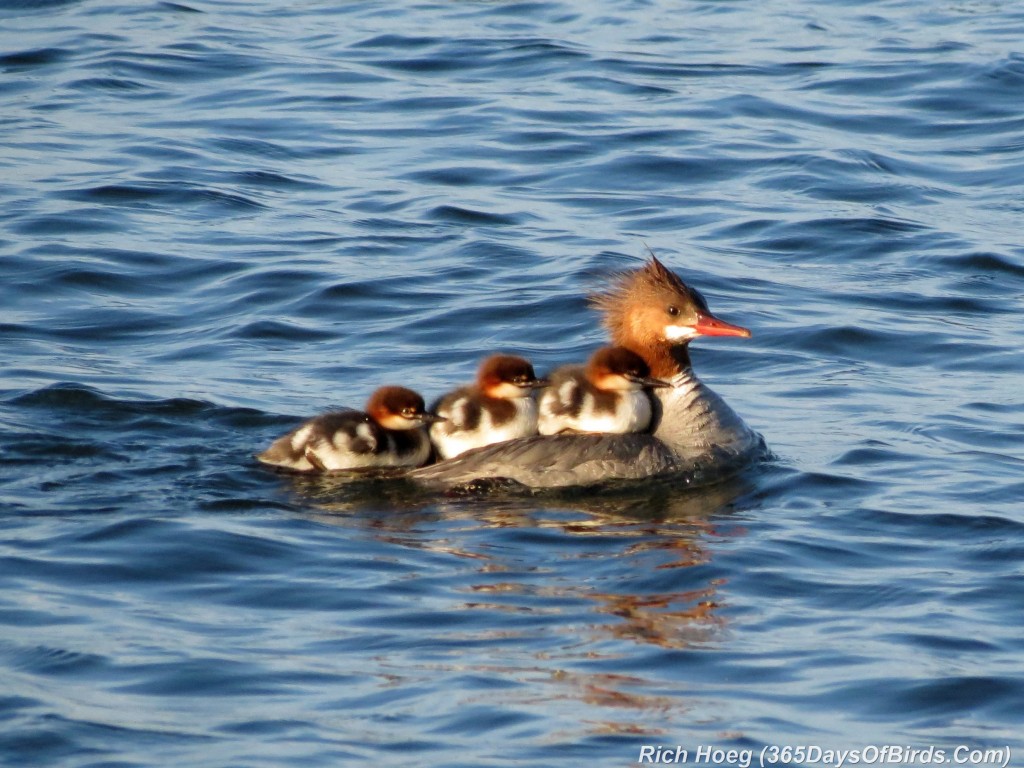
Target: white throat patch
680 332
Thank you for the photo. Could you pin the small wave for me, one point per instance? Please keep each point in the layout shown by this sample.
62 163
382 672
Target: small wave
109 84
163 194
39 57
281 331
178 7
955 696
459 215
71 398
78 222
986 263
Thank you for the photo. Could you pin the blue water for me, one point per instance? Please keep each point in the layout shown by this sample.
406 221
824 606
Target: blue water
218 218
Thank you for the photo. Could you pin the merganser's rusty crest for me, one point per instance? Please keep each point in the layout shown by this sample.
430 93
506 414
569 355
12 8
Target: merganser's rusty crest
695 434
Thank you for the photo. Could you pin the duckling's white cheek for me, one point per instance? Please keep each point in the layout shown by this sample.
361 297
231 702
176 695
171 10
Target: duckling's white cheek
680 332
509 391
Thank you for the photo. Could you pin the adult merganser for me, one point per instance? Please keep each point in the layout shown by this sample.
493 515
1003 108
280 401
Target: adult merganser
606 395
499 407
389 434
695 436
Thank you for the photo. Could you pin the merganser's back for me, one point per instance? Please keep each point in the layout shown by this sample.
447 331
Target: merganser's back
695 434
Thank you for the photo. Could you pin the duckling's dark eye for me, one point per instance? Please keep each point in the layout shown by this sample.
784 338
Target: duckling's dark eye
408 412
673 311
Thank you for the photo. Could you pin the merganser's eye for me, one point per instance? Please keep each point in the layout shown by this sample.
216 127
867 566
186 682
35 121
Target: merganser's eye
409 413
673 311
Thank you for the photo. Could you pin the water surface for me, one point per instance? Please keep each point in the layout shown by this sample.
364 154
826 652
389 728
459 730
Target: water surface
218 218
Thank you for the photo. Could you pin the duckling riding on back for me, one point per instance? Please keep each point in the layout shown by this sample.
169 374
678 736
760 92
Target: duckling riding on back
694 433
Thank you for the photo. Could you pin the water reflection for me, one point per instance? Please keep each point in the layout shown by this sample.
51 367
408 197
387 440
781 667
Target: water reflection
570 585
653 500
669 620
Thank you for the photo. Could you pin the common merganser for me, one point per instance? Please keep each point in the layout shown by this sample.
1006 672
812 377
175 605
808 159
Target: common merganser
605 395
389 434
498 407
696 437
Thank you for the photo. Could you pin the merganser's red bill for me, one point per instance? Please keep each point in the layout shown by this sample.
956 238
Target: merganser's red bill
709 325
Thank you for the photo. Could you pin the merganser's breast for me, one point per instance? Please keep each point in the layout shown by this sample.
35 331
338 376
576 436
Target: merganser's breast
691 419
